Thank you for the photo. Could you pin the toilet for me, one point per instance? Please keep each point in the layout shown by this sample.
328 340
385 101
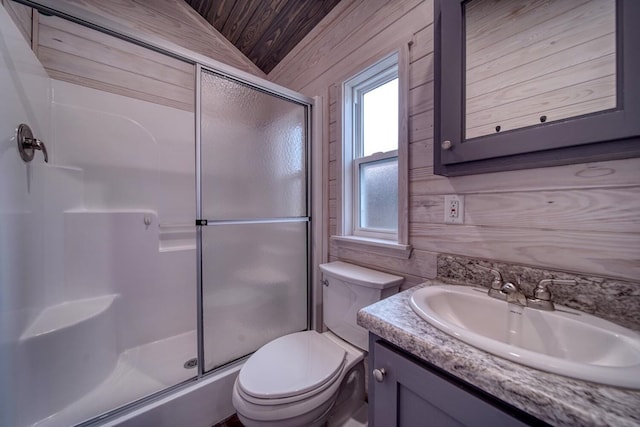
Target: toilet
310 378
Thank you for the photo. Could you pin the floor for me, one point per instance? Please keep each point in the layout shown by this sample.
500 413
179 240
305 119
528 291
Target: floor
230 422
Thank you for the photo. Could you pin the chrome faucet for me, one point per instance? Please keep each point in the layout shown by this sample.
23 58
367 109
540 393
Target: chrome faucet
514 294
507 291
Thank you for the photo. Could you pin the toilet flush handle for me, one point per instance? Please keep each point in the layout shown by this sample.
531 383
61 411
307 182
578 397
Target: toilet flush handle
379 374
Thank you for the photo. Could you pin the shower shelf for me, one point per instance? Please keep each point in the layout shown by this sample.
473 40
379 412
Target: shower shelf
71 340
67 314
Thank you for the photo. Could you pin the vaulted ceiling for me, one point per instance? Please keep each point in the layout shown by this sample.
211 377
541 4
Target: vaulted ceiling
263 30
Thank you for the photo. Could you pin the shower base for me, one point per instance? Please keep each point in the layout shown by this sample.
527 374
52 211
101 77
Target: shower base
139 372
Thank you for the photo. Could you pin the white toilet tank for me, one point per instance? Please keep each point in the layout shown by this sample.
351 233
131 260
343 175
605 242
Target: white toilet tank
348 288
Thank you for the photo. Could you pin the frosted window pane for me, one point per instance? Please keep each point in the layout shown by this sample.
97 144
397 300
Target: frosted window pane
253 152
254 287
380 117
379 195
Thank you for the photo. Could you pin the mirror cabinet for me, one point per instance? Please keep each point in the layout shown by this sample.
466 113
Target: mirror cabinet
534 83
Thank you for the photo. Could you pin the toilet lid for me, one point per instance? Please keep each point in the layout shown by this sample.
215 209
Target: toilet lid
291 365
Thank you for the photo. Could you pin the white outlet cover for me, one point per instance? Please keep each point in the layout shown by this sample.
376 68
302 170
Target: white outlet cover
451 214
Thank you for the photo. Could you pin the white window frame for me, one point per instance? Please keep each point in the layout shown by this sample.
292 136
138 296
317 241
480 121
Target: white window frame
347 168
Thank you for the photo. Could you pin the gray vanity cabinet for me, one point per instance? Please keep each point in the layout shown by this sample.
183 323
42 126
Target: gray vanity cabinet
412 394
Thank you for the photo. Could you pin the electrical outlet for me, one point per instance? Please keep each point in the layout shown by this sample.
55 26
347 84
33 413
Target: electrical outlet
453 209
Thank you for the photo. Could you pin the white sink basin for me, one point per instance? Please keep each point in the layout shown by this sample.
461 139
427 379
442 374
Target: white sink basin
565 341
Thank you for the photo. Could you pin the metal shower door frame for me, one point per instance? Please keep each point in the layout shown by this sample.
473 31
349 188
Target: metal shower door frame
204 222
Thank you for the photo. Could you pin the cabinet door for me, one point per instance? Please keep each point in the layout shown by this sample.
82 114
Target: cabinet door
410 395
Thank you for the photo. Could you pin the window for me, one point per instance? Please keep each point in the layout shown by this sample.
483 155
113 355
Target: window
373 155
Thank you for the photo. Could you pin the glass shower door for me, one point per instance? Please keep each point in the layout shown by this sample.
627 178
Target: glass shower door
254 200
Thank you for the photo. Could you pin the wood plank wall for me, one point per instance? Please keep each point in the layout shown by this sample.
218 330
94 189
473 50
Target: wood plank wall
533 58
80 55
25 19
171 20
581 218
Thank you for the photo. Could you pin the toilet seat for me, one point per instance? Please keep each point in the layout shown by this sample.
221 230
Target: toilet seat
291 368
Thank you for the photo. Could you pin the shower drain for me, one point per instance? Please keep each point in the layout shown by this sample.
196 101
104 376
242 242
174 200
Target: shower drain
191 363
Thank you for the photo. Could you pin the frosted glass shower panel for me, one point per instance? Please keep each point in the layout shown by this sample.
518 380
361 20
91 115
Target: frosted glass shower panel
253 152
254 279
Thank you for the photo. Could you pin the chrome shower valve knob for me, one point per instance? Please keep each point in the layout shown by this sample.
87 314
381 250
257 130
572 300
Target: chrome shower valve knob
27 144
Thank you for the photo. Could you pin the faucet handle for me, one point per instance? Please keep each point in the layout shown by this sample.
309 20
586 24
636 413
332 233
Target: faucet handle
497 276
542 291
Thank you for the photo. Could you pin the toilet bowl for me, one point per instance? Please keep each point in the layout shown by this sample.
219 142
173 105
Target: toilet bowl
307 378
293 380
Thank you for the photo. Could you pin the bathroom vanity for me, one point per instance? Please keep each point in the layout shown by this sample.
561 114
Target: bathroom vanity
425 368
423 392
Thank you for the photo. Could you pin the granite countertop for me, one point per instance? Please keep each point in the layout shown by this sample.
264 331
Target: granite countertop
558 400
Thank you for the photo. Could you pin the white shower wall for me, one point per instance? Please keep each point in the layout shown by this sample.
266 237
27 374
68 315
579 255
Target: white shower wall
106 313
134 154
25 90
128 161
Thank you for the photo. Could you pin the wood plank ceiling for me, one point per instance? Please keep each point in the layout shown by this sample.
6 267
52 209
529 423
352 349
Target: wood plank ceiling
263 30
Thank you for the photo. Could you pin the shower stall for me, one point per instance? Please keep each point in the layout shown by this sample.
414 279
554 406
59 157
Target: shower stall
158 246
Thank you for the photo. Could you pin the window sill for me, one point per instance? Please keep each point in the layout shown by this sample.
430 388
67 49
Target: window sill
380 246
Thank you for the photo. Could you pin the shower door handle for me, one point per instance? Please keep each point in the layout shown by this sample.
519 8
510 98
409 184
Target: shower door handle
27 144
